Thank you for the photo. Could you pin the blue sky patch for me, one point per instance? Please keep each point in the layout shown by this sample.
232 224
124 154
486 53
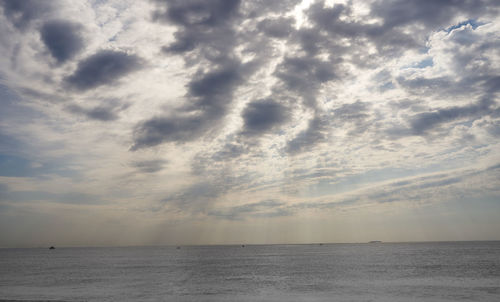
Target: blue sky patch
425 63
472 23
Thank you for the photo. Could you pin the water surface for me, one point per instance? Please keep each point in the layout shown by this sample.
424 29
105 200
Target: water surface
446 271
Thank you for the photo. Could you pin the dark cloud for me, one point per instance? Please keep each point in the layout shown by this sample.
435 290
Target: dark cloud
183 43
204 26
492 84
62 38
422 17
303 74
102 68
355 116
472 80
205 29
263 115
150 166
207 34
356 113
429 13
159 130
308 138
276 28
494 167
41 95
211 88
103 113
391 37
203 13
422 85
22 12
210 92
492 127
337 23
329 19
411 104
318 53
350 112
231 150
423 122
257 8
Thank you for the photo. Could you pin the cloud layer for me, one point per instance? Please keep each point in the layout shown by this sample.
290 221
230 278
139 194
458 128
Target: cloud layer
225 112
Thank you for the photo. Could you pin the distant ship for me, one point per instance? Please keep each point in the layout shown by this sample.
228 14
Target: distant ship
52 248
375 241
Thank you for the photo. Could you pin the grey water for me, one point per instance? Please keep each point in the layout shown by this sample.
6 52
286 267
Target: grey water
438 271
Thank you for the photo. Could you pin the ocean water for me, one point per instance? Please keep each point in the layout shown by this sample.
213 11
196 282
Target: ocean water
446 271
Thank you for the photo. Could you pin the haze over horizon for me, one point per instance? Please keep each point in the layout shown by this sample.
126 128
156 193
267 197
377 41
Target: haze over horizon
226 121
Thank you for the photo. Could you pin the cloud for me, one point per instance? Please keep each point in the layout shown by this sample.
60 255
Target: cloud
158 130
258 8
9 144
21 13
263 115
7 195
104 113
210 88
20 166
276 27
428 13
207 29
355 117
195 198
265 208
150 166
423 122
339 24
197 12
62 38
308 138
305 74
416 190
210 93
103 68
248 109
351 112
206 25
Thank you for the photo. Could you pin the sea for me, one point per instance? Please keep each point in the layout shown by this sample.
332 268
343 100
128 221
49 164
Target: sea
427 271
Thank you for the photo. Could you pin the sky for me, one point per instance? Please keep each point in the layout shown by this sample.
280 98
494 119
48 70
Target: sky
258 121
